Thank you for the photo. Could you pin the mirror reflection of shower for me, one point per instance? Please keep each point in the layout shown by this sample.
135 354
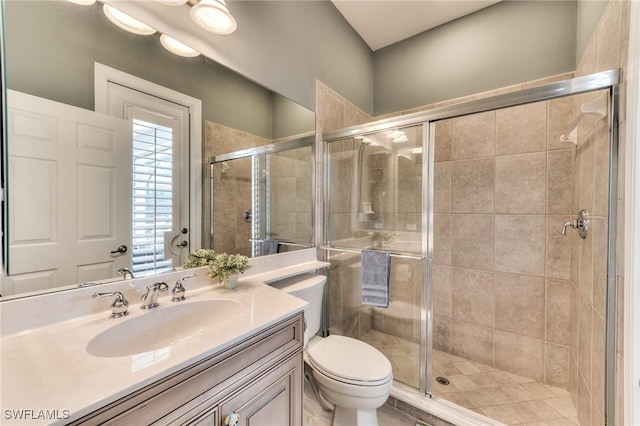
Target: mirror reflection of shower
263 197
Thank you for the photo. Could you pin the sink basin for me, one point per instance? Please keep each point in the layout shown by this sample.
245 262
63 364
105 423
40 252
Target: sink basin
162 327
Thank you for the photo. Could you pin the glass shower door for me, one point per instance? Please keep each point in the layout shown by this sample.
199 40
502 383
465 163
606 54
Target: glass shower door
283 199
375 187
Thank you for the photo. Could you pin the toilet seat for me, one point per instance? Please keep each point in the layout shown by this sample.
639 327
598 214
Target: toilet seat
350 361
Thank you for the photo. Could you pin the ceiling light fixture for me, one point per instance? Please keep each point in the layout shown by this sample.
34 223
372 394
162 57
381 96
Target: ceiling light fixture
213 16
173 2
176 47
83 2
127 22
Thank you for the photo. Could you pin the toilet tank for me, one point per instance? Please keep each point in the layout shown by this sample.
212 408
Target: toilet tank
310 288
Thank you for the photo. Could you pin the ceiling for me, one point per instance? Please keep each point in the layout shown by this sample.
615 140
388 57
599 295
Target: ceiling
381 23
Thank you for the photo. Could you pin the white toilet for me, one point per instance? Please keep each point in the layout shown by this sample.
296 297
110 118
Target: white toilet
354 376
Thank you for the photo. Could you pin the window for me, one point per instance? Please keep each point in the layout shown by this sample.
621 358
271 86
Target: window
152 196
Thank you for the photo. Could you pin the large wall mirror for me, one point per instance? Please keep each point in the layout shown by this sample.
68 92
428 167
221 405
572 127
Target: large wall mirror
74 184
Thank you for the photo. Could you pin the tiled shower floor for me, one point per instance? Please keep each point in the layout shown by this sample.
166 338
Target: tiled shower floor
506 397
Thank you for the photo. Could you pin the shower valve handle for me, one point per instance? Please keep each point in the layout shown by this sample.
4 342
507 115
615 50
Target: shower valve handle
581 224
572 223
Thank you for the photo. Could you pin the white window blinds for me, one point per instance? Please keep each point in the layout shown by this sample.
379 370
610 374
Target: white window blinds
152 196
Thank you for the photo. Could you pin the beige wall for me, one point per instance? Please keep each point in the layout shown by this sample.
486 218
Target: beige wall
607 49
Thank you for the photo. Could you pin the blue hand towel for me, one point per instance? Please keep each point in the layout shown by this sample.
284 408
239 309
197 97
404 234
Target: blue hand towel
270 247
375 266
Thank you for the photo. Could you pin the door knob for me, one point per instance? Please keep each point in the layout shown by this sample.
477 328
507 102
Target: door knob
120 250
182 244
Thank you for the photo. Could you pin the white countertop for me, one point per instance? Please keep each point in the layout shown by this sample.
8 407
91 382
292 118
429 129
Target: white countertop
48 368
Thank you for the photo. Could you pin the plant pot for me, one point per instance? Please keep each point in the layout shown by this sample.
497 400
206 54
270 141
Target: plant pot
230 282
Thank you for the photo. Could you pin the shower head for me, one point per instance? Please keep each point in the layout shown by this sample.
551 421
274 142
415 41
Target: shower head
364 141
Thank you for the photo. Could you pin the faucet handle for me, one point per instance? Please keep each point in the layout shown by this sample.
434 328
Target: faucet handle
177 294
126 273
119 307
158 286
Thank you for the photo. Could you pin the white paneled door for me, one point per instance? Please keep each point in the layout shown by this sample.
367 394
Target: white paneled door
69 193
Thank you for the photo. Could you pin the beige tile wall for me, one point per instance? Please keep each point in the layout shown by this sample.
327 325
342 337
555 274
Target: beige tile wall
606 50
500 189
291 202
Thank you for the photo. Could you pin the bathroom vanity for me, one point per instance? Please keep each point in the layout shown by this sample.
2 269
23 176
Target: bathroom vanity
258 379
218 353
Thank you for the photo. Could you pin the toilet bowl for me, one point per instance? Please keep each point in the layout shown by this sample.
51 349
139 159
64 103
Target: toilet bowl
352 375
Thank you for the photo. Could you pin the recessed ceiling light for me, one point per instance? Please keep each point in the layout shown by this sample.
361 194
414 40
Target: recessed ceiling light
176 47
127 22
213 16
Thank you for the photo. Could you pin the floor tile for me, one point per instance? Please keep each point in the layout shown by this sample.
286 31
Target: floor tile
503 396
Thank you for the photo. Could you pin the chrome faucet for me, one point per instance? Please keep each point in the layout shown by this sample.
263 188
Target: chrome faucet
126 273
177 294
119 307
150 298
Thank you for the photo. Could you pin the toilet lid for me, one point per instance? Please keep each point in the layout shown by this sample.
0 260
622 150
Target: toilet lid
350 360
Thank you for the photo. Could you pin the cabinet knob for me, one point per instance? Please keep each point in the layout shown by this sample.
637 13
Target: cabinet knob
232 419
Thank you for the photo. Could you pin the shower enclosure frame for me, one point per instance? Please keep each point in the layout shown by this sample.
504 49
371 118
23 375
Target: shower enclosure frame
606 80
254 153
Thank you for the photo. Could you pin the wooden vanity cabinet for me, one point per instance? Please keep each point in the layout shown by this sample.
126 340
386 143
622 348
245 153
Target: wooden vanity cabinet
259 378
268 401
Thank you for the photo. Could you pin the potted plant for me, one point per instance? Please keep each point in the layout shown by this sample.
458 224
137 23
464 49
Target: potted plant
198 258
226 267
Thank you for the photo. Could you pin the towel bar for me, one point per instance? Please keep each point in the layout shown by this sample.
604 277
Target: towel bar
398 255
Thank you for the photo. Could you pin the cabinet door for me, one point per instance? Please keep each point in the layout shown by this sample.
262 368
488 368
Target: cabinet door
272 400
